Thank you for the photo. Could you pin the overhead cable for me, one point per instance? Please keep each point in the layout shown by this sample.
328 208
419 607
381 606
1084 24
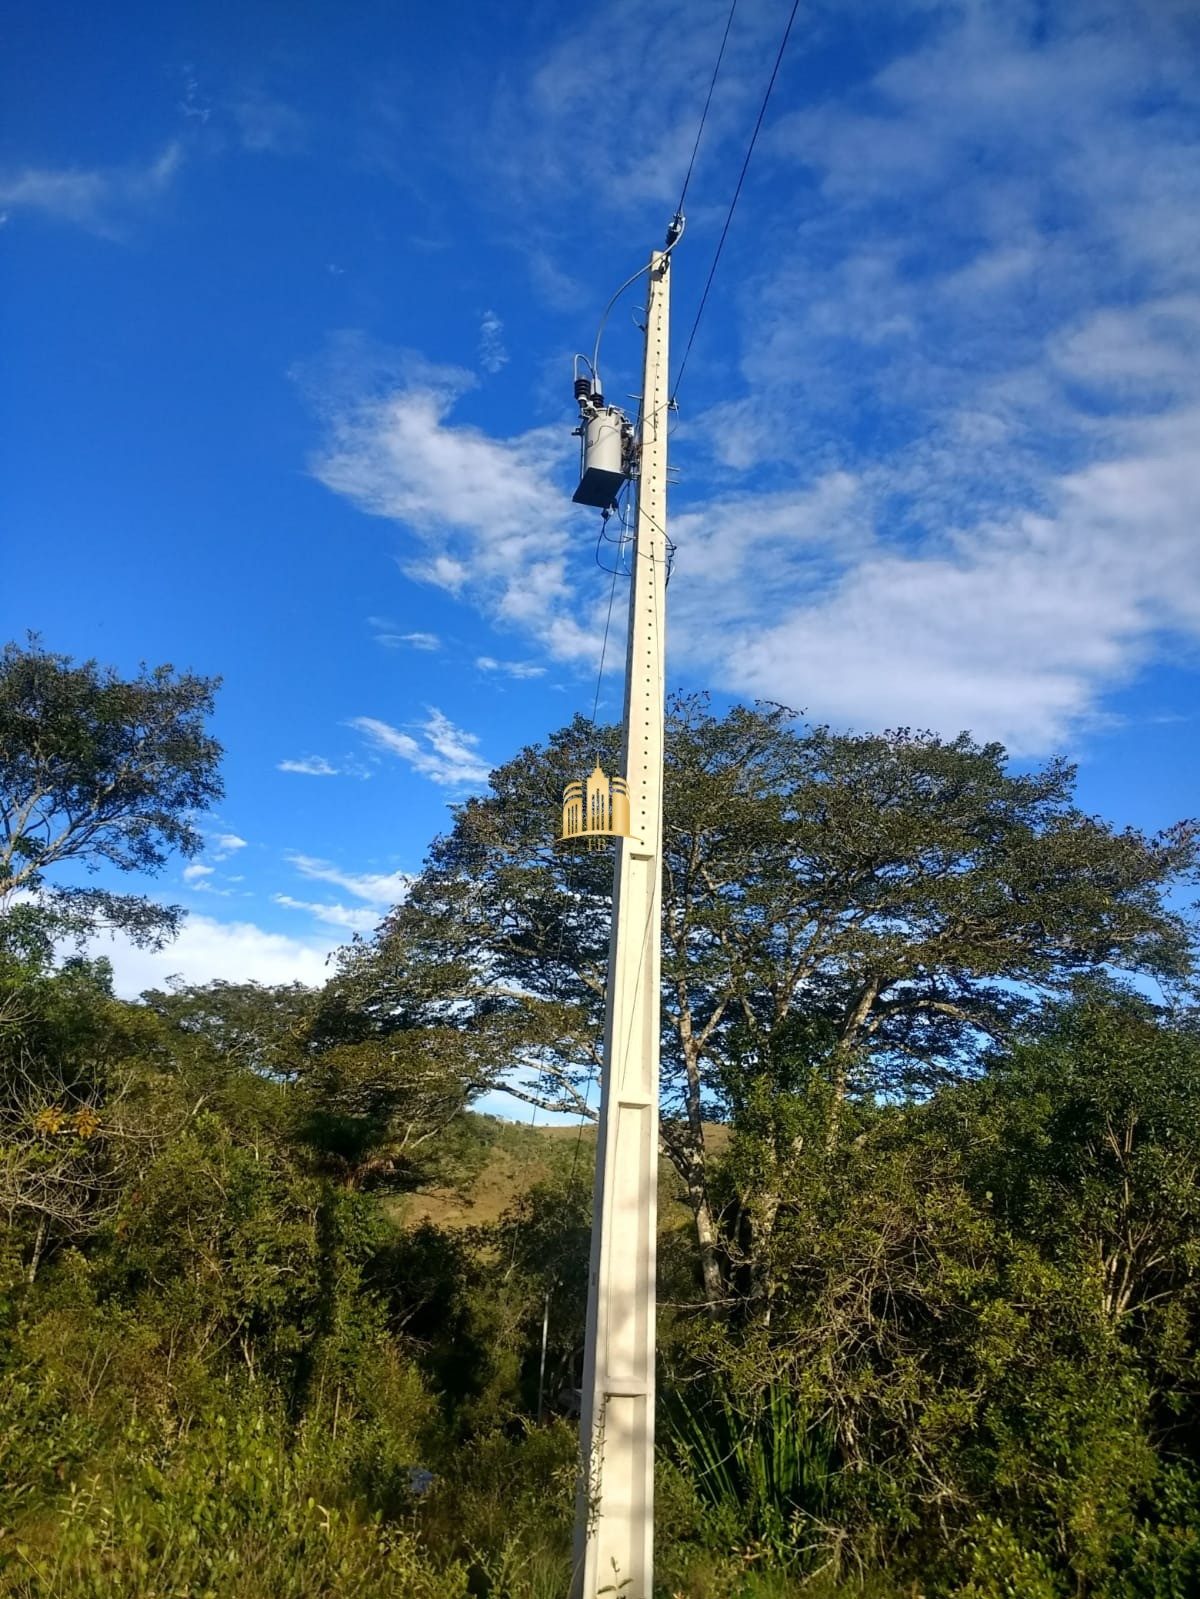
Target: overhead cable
708 101
787 32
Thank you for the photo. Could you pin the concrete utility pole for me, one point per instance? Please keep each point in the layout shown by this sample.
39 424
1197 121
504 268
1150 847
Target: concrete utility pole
614 1529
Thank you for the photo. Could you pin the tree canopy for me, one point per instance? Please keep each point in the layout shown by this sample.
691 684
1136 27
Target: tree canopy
100 770
910 898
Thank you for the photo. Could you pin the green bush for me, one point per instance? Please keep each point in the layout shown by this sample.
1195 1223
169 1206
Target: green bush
504 1505
230 1509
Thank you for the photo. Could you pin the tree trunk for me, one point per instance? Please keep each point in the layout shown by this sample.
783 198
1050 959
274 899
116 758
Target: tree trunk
854 1018
706 1239
39 1244
695 1169
684 1148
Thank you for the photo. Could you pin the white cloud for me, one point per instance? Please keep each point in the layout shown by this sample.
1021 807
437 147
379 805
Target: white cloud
310 766
492 354
99 199
383 889
986 332
487 663
488 519
206 949
349 917
747 555
1013 627
1148 355
533 148
446 754
964 366
194 105
226 844
413 641
196 871
442 571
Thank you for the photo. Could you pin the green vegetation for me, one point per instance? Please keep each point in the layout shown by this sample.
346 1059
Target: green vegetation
272 1294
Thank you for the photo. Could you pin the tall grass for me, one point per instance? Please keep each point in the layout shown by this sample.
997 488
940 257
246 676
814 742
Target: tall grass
765 1468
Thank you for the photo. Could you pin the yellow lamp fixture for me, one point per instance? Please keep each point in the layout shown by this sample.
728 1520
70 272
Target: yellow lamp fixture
595 810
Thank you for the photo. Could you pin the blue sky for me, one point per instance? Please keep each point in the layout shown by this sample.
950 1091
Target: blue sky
289 297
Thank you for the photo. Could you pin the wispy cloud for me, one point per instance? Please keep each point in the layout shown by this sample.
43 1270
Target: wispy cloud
310 766
383 889
267 125
1013 408
352 918
487 519
392 636
950 475
444 753
193 105
202 877
488 663
101 199
492 354
534 152
413 641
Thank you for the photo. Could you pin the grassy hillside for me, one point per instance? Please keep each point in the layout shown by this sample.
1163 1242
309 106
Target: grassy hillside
497 1161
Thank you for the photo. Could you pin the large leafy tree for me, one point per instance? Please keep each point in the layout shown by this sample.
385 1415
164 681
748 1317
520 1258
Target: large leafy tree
96 771
907 897
1085 1135
100 770
366 1103
237 1029
989 1299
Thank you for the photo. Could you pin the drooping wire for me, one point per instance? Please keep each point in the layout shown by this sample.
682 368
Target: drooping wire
708 101
668 540
762 111
599 331
604 645
674 238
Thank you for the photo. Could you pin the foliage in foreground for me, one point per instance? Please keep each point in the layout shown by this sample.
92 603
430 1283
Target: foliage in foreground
942 1341
970 1368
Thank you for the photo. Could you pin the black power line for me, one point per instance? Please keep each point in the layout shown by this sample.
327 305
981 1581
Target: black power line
704 114
733 203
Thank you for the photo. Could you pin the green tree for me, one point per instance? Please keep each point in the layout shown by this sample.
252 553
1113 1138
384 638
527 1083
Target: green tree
992 1298
913 895
102 771
248 1027
70 1132
95 771
1085 1137
306 1067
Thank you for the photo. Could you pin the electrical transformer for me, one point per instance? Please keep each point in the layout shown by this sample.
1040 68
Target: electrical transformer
607 443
